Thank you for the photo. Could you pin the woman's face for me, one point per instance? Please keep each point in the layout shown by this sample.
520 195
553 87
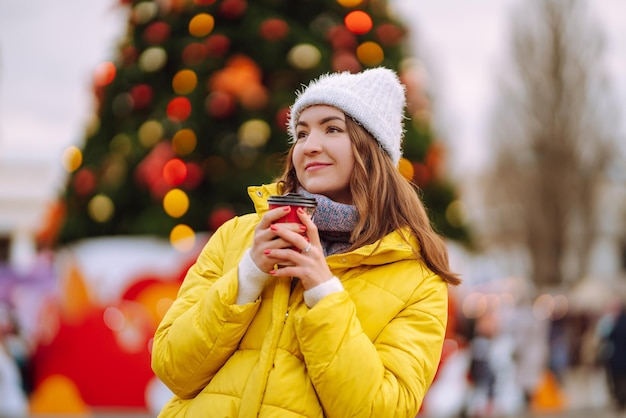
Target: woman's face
322 155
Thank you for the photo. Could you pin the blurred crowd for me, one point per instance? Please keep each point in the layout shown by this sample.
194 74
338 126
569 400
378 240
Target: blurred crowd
522 359
505 355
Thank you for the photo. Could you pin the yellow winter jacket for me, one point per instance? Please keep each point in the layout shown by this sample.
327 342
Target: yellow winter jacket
369 351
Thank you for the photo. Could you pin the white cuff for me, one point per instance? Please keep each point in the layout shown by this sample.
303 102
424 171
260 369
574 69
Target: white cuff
315 294
251 280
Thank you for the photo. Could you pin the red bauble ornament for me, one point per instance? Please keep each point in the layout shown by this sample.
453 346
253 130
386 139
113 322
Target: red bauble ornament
175 172
341 38
195 53
84 182
233 9
274 29
141 95
220 104
156 33
217 45
389 34
179 109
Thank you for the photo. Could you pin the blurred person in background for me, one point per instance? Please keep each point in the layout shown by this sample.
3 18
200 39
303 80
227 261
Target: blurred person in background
339 315
13 399
531 350
481 402
616 359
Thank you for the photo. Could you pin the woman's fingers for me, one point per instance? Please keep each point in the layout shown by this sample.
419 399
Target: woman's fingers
273 215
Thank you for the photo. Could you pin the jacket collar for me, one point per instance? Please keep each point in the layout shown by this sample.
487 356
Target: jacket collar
259 195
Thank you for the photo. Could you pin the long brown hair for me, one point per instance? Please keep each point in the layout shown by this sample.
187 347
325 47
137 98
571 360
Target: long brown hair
394 205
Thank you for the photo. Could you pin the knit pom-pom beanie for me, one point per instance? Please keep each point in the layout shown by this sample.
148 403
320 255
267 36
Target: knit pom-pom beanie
374 98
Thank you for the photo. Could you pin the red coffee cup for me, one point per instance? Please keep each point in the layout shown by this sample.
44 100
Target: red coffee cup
294 200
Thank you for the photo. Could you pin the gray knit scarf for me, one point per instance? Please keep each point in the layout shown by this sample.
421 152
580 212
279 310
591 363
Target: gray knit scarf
335 222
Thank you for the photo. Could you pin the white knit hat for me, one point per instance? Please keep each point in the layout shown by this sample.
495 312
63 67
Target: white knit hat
375 98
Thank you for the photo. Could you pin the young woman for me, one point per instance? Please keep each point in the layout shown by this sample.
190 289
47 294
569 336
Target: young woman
340 315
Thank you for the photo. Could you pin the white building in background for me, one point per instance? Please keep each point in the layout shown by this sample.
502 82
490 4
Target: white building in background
28 186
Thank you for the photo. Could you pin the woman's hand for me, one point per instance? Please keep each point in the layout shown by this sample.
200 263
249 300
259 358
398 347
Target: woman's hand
306 261
266 239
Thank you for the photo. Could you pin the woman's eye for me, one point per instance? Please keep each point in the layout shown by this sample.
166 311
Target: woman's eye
333 129
301 134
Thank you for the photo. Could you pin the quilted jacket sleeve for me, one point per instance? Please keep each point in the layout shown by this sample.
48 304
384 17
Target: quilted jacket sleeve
357 377
203 326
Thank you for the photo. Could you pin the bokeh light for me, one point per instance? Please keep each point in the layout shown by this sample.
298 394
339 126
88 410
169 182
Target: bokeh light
72 158
152 59
217 45
405 167
145 11
114 171
274 29
184 141
100 208
456 213
194 53
233 9
142 96
201 25
150 133
178 109
84 182
389 34
113 318
220 104
341 38
254 98
349 3
121 144
156 33
304 56
176 203
182 238
370 53
104 74
358 22
474 305
184 81
254 133
175 172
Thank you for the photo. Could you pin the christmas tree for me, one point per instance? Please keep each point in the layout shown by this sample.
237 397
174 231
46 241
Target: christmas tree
193 109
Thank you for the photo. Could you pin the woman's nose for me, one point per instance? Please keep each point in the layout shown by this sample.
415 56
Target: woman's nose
313 142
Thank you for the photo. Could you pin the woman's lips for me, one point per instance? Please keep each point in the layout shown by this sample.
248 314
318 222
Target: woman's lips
315 166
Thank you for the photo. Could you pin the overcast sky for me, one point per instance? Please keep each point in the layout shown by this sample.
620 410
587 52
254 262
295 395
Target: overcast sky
49 50
464 43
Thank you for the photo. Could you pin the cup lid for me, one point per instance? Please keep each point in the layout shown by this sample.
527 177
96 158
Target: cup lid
295 199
